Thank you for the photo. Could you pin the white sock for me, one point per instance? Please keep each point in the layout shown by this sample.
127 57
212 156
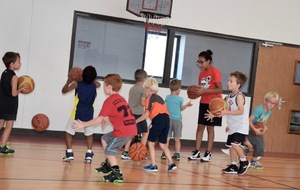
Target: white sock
69 150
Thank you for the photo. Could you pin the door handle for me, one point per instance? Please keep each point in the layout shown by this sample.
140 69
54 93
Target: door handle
280 102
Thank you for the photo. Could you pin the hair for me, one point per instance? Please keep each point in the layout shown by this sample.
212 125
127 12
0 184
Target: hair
140 75
272 94
152 84
175 84
89 74
206 54
241 78
114 80
10 57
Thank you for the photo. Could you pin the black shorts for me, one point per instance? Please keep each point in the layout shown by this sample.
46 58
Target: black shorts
160 128
142 126
235 138
217 121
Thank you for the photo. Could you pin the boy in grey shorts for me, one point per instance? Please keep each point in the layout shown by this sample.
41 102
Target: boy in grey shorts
175 106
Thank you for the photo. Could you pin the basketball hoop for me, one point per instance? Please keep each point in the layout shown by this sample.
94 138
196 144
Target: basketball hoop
154 22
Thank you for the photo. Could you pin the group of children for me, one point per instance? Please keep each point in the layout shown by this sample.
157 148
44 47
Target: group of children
129 119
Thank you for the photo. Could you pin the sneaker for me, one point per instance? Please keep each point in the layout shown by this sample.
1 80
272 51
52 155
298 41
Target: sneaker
206 157
104 168
115 176
125 156
225 151
246 149
176 156
151 168
231 169
244 165
172 167
5 150
163 156
69 156
88 157
195 155
256 165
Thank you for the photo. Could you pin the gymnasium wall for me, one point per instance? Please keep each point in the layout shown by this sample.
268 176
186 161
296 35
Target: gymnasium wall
41 31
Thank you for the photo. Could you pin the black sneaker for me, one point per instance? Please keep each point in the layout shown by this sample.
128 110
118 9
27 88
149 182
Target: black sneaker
69 156
231 169
172 167
206 157
5 150
244 165
195 155
115 176
104 168
163 156
176 156
88 157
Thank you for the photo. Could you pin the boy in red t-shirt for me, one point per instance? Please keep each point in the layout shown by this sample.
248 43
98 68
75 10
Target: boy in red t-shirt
119 114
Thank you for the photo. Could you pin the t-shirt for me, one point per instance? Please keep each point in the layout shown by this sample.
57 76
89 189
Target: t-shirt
136 93
85 95
155 105
118 111
260 114
174 104
207 79
237 123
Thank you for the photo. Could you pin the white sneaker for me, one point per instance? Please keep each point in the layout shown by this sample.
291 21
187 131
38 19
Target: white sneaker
195 155
206 157
225 151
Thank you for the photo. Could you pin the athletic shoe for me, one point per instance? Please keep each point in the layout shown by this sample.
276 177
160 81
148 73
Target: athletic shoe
114 176
88 157
172 167
195 155
225 151
151 168
163 156
231 169
244 165
176 156
104 168
256 165
125 156
5 150
206 157
69 156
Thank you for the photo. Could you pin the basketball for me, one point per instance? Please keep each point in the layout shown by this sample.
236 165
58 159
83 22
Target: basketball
75 74
192 92
137 151
216 105
258 125
26 81
40 122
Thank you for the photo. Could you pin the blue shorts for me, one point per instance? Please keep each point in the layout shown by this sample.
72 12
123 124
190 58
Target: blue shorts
160 128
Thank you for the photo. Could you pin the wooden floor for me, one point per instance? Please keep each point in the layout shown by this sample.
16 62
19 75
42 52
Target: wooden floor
37 164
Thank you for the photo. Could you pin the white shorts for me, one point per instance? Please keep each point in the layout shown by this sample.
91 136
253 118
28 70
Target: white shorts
87 130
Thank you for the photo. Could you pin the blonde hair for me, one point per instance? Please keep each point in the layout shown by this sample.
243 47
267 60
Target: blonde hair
272 94
152 84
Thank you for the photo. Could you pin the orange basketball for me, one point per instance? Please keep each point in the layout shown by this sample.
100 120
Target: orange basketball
137 151
26 81
75 74
258 125
216 105
40 122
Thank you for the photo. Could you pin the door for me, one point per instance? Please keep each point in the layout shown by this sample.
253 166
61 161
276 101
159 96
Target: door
275 72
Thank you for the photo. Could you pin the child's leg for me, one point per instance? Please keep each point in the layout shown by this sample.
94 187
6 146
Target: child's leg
89 142
166 150
69 140
210 138
2 122
6 132
233 155
144 138
248 144
199 135
152 152
127 145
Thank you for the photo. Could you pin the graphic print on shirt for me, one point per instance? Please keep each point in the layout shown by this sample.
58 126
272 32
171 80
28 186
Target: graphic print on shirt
205 82
230 104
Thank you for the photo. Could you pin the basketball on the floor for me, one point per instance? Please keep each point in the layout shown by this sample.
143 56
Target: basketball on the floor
26 81
75 74
216 105
137 151
40 122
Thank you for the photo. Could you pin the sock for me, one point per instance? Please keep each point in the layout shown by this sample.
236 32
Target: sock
234 163
243 159
89 151
69 150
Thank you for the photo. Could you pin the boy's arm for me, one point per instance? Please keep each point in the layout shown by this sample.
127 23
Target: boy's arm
142 117
143 100
240 111
81 124
256 131
70 85
186 105
97 84
14 86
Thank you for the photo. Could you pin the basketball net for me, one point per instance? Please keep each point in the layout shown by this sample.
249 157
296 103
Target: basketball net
154 23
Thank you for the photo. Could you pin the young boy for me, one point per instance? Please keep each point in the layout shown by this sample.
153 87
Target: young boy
9 98
85 94
175 106
260 114
118 112
136 103
237 123
156 110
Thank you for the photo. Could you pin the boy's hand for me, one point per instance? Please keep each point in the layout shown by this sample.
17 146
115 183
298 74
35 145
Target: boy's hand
258 132
189 104
24 89
77 124
209 115
226 129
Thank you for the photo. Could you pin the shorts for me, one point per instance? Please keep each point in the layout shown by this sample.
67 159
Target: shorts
160 128
235 138
114 144
217 121
142 127
87 130
258 144
175 129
